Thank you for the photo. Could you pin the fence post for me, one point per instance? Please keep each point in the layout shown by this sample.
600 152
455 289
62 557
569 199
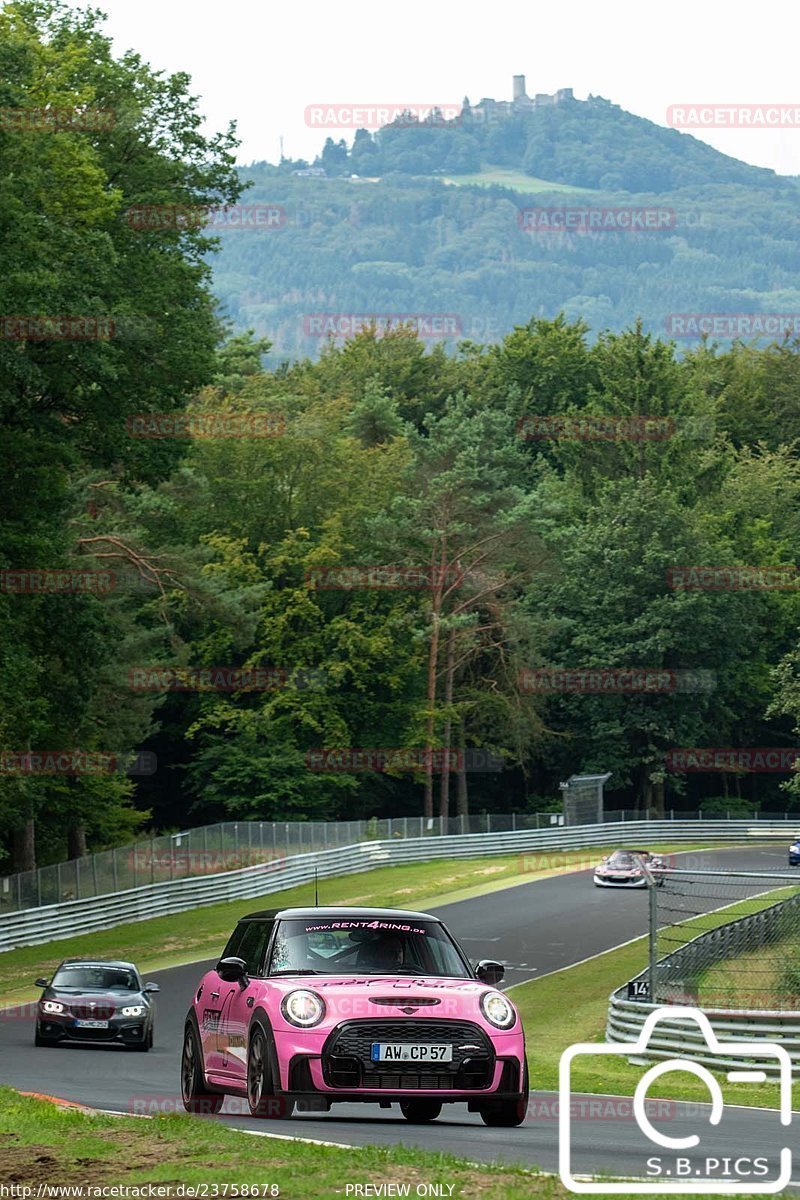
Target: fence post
94 872
19 890
77 879
152 859
114 869
488 822
652 939
39 887
58 882
513 822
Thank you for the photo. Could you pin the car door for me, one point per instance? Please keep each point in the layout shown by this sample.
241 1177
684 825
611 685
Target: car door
213 1008
241 1000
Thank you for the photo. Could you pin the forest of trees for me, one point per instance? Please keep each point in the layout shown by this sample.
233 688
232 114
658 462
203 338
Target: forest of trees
420 245
270 554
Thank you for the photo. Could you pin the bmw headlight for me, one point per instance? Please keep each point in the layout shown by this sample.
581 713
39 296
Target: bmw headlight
303 1008
497 1010
133 1010
52 1006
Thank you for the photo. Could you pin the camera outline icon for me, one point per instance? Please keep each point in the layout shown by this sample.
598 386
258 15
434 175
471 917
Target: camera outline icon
752 1048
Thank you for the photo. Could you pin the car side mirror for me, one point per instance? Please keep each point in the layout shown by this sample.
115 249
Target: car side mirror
151 987
489 971
42 983
232 970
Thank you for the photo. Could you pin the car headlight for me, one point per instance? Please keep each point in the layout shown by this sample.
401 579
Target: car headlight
52 1006
497 1010
133 1010
303 1008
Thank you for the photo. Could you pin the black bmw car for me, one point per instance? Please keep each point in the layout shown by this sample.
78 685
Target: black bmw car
96 1002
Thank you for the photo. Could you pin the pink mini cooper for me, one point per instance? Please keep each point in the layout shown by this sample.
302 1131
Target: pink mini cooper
308 1006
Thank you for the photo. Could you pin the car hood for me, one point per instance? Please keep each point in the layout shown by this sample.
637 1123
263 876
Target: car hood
333 985
354 996
98 999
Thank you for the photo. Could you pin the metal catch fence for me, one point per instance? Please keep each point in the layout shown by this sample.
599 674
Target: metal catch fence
726 940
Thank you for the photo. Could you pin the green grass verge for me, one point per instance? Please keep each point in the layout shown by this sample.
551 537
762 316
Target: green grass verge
202 932
571 1006
44 1144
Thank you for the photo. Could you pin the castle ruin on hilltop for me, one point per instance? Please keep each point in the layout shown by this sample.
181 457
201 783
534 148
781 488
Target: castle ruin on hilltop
489 109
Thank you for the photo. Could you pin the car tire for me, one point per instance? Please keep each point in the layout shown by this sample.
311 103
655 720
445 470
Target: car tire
194 1093
507 1114
261 1097
419 1112
38 1040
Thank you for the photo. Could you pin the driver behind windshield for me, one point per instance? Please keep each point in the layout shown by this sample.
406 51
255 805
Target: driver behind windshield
382 954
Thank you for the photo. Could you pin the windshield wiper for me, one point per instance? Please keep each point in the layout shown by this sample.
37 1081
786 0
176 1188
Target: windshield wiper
297 971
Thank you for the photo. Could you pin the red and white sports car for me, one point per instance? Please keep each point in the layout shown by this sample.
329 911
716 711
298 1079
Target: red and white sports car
310 1006
624 868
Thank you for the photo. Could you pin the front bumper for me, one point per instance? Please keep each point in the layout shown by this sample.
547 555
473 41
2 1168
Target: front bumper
632 881
124 1030
336 1063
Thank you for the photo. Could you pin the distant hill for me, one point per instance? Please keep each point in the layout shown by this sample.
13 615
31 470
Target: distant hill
588 143
415 235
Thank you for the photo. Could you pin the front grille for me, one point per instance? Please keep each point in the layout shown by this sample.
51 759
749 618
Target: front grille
87 1012
347 1063
408 1081
406 1002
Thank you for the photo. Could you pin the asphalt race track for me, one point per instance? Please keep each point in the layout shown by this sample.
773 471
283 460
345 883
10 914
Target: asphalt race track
533 928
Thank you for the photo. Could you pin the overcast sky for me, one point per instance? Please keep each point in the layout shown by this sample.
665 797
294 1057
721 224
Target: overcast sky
262 62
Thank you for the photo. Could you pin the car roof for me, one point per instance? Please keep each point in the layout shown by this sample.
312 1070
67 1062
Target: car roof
323 911
97 962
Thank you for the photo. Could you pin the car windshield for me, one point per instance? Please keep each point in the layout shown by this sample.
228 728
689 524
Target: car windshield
623 861
367 945
95 978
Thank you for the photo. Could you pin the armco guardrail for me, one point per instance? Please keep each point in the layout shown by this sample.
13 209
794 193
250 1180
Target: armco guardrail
54 921
227 846
679 970
676 1038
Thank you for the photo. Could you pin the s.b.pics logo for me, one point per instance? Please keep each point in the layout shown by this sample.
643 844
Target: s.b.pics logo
705 1150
